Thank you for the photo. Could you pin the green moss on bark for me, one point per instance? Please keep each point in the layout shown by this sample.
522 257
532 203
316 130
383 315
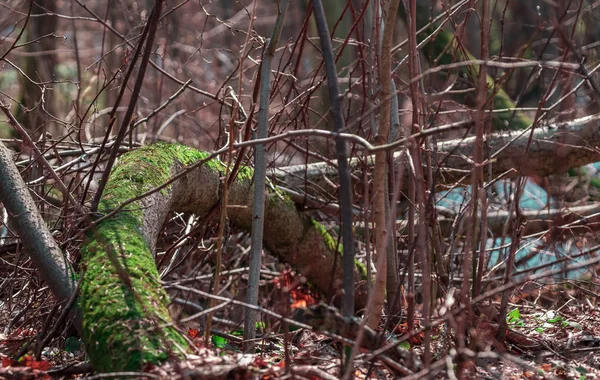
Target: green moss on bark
337 247
124 307
122 301
245 173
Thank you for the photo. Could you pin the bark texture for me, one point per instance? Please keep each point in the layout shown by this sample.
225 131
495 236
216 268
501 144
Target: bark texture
45 254
123 304
554 149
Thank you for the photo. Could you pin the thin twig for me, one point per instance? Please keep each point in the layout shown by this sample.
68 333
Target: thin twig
39 156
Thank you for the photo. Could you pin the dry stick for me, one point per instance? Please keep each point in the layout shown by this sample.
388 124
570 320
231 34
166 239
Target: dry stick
77 100
219 256
417 184
576 52
230 175
345 194
260 177
377 294
474 234
392 278
222 221
98 72
14 44
342 159
66 311
453 9
393 285
480 191
112 119
164 105
391 219
151 28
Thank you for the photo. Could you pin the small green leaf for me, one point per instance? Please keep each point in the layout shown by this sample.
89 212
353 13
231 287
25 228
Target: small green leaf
513 316
404 345
219 341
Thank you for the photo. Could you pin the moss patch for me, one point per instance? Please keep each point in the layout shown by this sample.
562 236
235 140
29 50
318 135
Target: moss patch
245 173
123 320
334 246
124 307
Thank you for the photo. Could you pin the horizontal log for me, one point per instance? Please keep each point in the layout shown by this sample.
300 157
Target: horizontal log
547 150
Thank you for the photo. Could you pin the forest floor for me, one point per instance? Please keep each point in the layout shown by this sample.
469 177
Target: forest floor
553 330
553 333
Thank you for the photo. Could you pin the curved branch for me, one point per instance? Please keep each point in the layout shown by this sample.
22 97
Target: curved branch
123 305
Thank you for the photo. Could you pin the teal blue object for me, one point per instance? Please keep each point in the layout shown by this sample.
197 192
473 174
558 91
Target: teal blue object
534 197
531 253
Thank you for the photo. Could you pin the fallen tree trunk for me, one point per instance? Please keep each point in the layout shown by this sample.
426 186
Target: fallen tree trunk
124 307
125 320
554 149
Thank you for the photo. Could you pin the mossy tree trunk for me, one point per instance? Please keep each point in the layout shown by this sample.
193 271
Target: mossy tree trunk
124 308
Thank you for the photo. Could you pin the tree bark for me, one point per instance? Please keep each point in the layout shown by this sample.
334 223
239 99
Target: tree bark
45 254
123 305
554 149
